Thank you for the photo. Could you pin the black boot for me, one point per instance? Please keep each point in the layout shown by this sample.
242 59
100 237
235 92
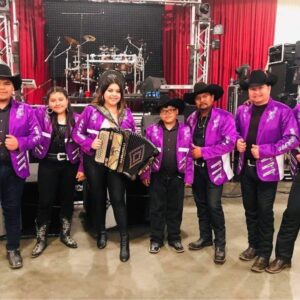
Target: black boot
41 239
65 237
124 248
102 240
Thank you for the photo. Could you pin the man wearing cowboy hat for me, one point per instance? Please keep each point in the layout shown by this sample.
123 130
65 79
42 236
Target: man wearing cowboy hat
267 129
170 170
19 132
214 137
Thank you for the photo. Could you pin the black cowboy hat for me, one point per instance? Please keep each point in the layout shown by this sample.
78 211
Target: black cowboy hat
200 88
5 72
257 78
165 101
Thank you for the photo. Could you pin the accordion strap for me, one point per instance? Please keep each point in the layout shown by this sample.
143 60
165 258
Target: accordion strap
106 113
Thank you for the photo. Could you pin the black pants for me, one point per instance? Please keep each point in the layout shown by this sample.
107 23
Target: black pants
166 205
210 213
100 179
11 190
258 201
56 180
290 224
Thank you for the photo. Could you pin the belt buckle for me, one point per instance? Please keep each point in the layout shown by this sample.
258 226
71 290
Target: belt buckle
202 165
61 156
249 163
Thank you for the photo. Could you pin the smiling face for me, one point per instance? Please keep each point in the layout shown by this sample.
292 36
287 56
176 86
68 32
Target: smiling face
6 90
112 96
58 102
259 95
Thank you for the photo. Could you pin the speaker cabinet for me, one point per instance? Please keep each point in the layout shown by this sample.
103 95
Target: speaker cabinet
284 85
152 84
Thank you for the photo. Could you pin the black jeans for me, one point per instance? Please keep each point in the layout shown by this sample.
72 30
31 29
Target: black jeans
210 213
290 224
11 190
258 201
99 180
166 205
56 180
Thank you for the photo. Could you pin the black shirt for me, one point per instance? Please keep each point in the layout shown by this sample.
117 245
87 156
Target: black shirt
4 130
169 159
58 140
200 132
257 112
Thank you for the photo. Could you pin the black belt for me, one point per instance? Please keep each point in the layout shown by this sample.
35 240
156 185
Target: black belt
201 164
57 156
251 162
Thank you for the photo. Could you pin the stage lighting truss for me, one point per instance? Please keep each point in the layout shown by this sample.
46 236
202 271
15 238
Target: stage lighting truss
6 55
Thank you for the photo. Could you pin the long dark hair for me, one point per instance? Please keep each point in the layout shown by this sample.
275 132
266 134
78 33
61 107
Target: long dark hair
106 82
70 122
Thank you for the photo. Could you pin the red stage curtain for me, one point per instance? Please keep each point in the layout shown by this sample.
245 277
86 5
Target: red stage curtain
249 27
176 38
30 14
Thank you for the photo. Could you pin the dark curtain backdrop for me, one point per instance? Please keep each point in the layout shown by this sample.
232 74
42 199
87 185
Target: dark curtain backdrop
30 14
176 38
249 27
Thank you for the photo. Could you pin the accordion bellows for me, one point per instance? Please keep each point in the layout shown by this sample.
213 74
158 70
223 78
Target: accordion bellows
124 151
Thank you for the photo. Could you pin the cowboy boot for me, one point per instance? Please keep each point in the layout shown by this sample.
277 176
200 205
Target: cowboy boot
102 239
65 237
41 239
124 247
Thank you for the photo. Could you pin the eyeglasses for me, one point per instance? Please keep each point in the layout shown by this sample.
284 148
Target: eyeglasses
168 111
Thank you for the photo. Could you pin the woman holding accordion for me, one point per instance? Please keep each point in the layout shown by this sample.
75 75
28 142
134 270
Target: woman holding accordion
108 110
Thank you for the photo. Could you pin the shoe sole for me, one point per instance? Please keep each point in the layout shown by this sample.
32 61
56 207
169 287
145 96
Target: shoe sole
17 267
219 262
153 251
258 270
195 249
276 272
246 259
177 251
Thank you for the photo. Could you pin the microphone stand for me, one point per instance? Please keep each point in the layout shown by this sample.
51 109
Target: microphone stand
53 61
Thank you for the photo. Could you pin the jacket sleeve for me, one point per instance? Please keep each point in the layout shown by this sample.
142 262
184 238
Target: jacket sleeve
147 173
229 136
189 167
289 140
131 121
79 134
34 135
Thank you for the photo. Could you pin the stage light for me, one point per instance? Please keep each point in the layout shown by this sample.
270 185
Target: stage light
243 72
218 29
203 11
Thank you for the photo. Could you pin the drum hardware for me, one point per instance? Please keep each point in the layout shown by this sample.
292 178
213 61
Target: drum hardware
103 48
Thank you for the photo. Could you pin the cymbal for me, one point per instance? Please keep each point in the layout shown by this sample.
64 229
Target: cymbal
128 37
89 38
71 41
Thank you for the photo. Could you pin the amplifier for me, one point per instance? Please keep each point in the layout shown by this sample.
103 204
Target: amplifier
282 52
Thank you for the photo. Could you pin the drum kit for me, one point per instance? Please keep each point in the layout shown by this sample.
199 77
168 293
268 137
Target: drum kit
85 69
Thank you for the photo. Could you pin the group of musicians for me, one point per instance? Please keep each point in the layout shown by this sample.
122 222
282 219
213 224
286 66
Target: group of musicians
195 153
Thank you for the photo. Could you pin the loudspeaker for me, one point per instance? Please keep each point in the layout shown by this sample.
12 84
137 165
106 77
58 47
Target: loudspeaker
4 5
152 84
297 53
284 85
235 97
152 119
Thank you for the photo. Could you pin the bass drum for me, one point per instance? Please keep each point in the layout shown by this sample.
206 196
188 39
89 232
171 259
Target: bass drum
114 73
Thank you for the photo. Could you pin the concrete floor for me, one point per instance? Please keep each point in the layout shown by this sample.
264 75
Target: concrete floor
89 273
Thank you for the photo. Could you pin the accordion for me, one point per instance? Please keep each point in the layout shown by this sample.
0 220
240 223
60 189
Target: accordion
124 151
